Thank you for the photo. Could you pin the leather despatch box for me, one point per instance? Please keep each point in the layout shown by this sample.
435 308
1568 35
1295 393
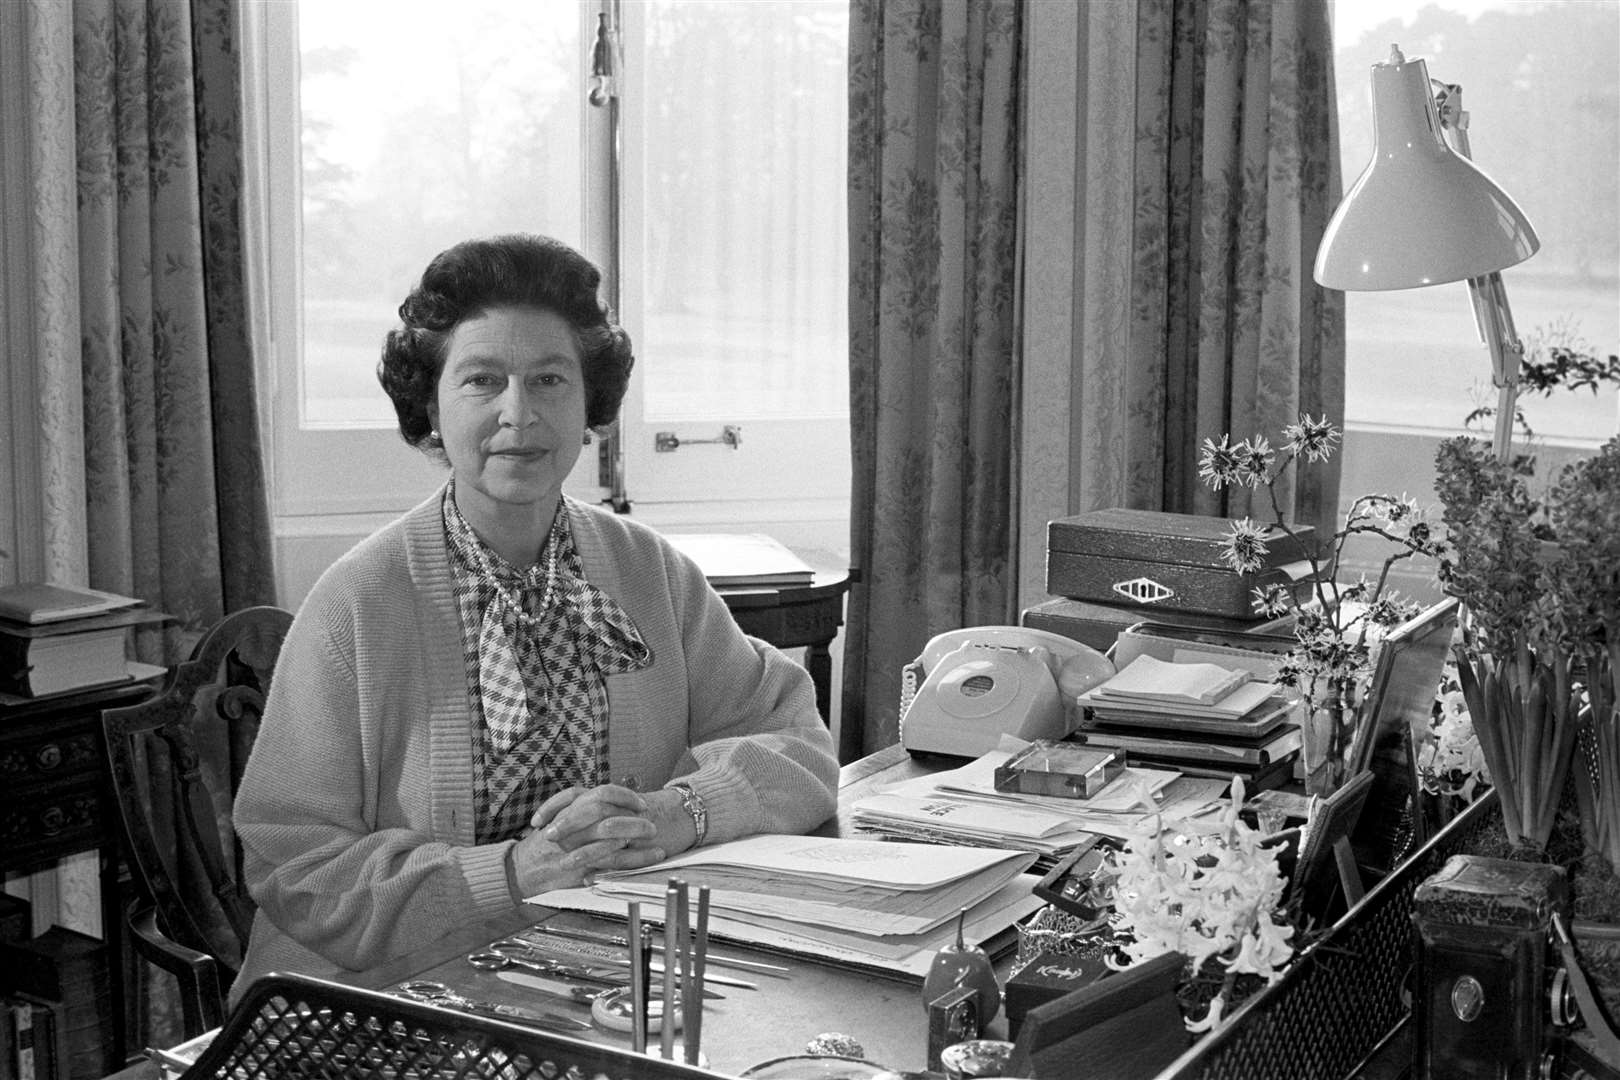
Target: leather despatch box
1100 625
1167 562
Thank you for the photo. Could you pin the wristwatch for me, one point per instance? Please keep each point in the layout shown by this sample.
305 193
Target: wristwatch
694 806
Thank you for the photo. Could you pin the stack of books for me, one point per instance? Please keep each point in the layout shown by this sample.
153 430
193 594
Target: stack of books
55 639
1201 719
67 972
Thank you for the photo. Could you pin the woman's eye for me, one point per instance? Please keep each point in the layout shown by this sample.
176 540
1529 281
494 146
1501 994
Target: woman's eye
481 379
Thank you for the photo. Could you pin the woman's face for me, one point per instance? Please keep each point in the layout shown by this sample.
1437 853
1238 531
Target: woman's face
510 407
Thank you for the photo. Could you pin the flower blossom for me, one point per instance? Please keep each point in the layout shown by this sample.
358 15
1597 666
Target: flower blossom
1208 890
1245 549
1221 463
1311 439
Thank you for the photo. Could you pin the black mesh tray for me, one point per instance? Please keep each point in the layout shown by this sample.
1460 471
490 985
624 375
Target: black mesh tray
1346 994
296 1026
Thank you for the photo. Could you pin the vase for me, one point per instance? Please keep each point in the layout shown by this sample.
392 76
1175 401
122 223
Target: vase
1327 733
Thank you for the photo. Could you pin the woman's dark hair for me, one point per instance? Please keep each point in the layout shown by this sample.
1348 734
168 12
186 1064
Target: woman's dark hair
517 270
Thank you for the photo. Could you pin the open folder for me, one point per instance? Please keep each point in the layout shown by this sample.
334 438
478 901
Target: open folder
869 902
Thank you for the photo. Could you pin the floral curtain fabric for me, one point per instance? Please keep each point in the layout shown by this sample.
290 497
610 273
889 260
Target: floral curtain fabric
1174 163
1176 194
151 472
146 468
933 218
1236 174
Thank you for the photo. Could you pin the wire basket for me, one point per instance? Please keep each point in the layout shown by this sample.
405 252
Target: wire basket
1344 995
296 1026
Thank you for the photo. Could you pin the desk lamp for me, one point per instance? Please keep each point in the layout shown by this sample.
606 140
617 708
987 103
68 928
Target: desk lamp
1423 214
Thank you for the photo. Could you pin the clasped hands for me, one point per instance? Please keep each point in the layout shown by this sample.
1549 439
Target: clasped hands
580 831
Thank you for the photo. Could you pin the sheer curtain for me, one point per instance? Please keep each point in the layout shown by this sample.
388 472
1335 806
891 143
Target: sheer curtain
136 464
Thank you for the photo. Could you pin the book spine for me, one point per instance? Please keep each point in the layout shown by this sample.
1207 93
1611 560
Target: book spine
22 1027
1213 753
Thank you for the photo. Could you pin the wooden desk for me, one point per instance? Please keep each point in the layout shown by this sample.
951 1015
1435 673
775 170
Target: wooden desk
56 801
795 616
748 1026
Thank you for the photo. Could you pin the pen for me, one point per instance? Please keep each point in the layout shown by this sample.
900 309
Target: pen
666 1015
689 1001
638 982
694 1029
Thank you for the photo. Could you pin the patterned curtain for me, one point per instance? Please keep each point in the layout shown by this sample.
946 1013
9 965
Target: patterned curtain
933 211
1017 359
1178 190
148 478
1237 174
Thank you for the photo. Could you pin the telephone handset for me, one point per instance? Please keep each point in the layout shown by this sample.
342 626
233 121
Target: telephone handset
986 681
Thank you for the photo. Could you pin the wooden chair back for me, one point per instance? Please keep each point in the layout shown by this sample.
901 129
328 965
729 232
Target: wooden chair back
176 760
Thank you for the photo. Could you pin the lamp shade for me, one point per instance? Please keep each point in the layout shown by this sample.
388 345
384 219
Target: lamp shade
1421 213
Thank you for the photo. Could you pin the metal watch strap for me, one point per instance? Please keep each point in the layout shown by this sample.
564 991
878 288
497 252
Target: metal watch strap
694 806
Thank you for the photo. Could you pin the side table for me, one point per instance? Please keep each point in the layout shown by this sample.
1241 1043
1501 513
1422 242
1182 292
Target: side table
795 616
55 801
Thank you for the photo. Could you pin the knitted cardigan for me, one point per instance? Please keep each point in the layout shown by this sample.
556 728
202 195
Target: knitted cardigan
356 809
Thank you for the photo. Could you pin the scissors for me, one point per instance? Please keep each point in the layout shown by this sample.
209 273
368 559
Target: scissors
501 955
437 993
516 948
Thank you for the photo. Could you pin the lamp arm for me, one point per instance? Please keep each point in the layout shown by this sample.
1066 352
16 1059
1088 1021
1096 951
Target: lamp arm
1495 321
1492 316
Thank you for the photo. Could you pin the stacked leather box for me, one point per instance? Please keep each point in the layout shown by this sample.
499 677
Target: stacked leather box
1107 570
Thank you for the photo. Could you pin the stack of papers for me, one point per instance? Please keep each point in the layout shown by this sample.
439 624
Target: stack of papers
866 902
1153 680
964 802
936 818
1197 697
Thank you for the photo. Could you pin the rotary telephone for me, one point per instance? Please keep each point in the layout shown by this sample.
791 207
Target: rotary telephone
969 687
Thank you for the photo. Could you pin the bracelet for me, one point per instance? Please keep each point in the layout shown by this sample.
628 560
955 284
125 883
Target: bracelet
694 806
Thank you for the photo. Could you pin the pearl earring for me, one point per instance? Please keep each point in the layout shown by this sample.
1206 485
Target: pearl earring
587 440
433 434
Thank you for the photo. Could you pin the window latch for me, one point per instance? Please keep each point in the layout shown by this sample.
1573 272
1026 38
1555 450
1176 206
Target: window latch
666 442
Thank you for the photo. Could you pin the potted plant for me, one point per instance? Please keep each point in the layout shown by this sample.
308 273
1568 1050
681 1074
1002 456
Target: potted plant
1539 663
1337 624
1537 580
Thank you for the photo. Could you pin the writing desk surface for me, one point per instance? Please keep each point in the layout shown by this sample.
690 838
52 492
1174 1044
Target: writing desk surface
885 1015
748 1027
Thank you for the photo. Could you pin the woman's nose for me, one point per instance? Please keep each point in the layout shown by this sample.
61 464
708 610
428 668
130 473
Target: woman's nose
517 406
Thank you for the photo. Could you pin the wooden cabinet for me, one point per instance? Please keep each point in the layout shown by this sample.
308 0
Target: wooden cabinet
56 801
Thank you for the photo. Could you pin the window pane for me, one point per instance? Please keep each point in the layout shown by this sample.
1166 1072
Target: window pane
745 238
422 125
1541 82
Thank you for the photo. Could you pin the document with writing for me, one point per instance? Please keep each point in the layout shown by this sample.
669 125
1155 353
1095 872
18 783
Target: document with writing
1116 812
884 903
882 887
908 954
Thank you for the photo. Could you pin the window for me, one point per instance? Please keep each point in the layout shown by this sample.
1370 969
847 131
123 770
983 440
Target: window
391 132
1541 85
